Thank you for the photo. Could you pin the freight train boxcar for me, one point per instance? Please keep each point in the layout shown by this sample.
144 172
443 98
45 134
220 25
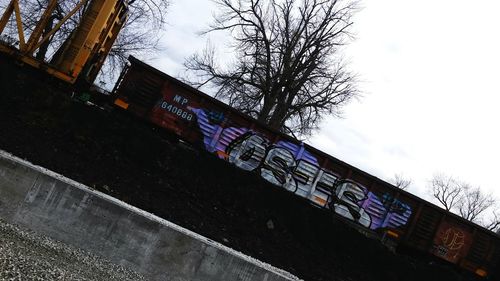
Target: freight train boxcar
353 195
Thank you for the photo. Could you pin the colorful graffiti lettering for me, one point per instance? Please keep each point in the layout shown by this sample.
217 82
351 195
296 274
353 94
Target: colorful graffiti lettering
291 166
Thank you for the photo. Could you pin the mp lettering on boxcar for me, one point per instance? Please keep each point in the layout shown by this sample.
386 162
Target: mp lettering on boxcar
181 113
177 107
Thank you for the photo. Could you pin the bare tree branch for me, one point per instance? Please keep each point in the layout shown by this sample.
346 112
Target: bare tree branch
468 202
447 191
473 203
401 182
494 223
288 72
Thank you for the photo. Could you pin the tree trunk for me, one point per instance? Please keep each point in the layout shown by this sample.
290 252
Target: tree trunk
42 51
265 112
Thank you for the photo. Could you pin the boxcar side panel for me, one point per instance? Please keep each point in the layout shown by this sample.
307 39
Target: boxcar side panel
279 159
283 161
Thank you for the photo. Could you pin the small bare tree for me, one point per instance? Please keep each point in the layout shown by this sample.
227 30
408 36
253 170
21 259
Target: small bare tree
468 202
446 190
288 72
473 202
401 182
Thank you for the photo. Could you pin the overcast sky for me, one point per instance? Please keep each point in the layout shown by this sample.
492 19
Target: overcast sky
429 72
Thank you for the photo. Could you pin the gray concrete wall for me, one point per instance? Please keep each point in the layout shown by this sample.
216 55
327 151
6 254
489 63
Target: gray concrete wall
60 208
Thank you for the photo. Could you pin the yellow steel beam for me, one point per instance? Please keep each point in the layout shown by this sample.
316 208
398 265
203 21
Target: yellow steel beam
47 36
102 8
19 24
13 52
6 16
37 32
86 48
107 38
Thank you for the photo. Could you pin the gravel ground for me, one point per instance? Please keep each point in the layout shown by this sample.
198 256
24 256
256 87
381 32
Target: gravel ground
25 255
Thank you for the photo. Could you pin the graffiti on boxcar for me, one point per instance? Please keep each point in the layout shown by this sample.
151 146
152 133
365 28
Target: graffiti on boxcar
394 205
388 211
295 170
450 241
453 239
247 151
291 166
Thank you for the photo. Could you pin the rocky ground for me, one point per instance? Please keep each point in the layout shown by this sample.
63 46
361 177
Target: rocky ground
26 256
128 159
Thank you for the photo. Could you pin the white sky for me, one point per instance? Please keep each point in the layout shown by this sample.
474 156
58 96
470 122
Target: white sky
429 71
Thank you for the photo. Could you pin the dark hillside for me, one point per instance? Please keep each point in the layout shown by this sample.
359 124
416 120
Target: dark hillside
117 154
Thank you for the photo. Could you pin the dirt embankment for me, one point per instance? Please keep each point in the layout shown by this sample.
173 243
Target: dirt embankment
122 156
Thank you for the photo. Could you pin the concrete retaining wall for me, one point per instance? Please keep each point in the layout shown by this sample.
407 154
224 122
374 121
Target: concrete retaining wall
65 210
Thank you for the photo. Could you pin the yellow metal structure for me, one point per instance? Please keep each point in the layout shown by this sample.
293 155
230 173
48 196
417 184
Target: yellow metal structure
11 8
86 48
88 37
107 39
34 39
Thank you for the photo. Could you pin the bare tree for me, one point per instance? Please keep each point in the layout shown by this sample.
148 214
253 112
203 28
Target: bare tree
468 202
141 34
401 182
446 190
473 202
288 72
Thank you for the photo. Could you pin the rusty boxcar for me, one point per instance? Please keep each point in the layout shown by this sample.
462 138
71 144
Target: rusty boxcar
364 200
